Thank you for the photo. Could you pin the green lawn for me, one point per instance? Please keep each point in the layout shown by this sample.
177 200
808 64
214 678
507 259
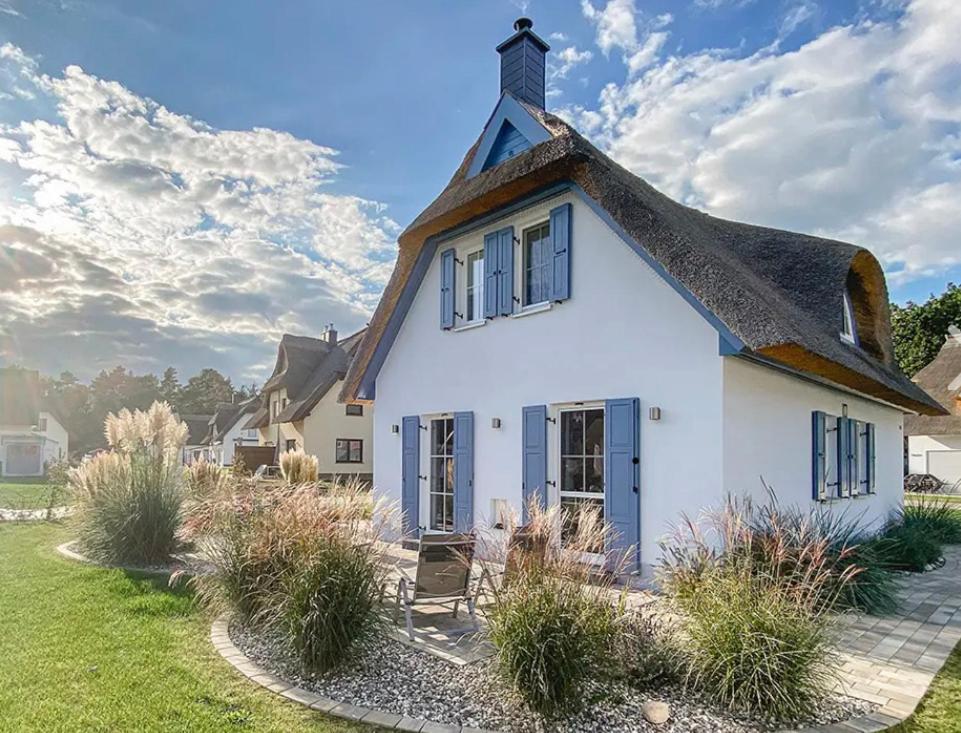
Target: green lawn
89 649
940 711
948 498
30 494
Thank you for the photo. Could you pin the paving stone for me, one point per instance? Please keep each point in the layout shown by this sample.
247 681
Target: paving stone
304 697
411 724
430 727
324 705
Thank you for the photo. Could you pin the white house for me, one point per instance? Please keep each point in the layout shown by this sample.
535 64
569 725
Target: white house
556 327
934 443
226 431
32 435
299 409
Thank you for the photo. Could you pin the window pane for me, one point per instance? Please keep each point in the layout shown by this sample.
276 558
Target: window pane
342 453
356 451
572 433
594 474
570 514
449 512
572 474
449 481
449 437
437 475
437 437
437 511
594 432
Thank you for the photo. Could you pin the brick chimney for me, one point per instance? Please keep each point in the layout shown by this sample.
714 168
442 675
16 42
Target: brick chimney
522 64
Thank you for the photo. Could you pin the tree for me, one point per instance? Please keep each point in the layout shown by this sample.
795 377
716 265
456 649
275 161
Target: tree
170 387
204 391
919 330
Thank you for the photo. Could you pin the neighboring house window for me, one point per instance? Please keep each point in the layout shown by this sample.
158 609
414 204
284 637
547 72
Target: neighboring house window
582 466
274 409
442 475
355 410
43 425
349 450
848 333
537 264
284 405
291 445
475 286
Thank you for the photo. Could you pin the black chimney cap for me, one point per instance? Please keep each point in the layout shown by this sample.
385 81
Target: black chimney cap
523 23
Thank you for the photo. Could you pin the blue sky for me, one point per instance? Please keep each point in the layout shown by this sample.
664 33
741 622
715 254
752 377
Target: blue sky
184 181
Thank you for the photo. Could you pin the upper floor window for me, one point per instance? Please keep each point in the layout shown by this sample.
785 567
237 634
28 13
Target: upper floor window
847 332
43 425
537 264
356 410
475 286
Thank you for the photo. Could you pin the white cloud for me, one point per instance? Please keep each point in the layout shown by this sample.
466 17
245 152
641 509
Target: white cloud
856 134
167 240
616 27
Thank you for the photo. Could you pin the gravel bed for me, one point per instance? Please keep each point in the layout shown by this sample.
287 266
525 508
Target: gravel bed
398 679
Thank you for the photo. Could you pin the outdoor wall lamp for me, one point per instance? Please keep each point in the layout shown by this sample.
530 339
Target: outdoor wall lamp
654 413
395 429
495 423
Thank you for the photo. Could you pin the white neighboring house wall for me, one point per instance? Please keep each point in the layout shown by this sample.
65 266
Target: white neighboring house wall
937 454
767 440
27 450
624 332
223 452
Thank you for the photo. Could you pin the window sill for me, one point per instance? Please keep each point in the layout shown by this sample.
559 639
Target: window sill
530 310
469 326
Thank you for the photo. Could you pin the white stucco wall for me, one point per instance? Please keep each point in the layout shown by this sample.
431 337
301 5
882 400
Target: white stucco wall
767 434
225 451
919 447
623 333
57 446
327 422
53 443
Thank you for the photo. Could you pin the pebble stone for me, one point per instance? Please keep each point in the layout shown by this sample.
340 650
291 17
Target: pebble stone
393 678
656 712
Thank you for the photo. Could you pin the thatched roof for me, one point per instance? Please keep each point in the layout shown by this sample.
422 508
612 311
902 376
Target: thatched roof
19 397
942 380
226 416
307 368
779 293
197 426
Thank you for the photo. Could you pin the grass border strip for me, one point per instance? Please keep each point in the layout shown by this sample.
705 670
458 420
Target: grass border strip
67 550
220 638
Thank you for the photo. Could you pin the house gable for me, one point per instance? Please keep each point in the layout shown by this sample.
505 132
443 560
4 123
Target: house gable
510 131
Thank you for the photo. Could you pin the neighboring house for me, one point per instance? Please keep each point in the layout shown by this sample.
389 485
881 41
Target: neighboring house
555 327
32 435
299 407
226 431
934 442
197 427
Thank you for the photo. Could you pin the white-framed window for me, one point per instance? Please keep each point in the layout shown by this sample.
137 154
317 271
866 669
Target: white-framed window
354 410
581 468
43 425
475 286
441 488
537 262
848 332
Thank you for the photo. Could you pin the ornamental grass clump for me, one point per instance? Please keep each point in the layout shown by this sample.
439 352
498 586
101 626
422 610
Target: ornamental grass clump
755 612
933 516
128 500
298 467
910 547
303 563
552 619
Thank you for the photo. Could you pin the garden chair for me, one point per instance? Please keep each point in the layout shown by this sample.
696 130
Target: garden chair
526 546
442 578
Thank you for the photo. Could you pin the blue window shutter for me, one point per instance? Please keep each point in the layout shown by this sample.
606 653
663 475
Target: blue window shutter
622 475
871 459
463 471
844 458
410 476
819 455
561 240
534 419
491 251
447 288
505 268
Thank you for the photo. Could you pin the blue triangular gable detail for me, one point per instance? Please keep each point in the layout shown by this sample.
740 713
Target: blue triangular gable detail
508 143
510 131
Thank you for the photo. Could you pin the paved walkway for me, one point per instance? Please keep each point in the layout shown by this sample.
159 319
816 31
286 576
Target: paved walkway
33 515
892 660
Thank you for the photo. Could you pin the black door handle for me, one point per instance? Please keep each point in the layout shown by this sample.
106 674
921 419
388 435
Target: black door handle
635 489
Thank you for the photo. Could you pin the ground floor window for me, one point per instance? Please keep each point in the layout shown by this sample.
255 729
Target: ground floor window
291 445
349 450
442 474
582 467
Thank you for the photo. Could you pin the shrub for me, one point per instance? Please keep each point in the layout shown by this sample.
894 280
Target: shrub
910 547
298 467
755 600
934 517
647 651
300 561
553 623
128 500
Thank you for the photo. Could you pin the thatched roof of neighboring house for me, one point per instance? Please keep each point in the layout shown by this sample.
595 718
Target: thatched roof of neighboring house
307 368
19 397
942 380
226 416
779 293
197 426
